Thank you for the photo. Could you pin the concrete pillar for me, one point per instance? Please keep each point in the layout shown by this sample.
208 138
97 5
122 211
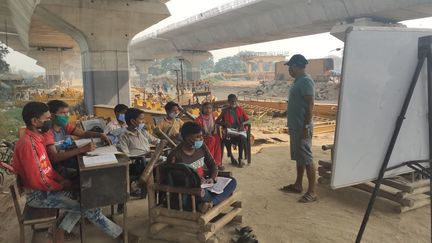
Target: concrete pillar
192 61
103 30
339 30
260 66
249 67
51 60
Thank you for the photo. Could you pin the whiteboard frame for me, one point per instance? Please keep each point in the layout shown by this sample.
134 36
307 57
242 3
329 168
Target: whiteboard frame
341 106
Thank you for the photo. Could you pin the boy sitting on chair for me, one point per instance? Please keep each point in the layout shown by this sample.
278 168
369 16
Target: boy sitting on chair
58 139
233 119
116 127
135 142
171 124
192 152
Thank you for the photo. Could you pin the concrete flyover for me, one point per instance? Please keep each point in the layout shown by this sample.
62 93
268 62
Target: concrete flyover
93 34
253 21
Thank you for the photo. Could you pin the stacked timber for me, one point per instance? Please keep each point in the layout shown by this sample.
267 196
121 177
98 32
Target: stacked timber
407 194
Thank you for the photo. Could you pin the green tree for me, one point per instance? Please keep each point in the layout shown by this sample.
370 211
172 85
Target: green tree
231 64
208 66
4 66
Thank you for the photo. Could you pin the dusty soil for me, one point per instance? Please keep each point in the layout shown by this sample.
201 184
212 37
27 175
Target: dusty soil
276 216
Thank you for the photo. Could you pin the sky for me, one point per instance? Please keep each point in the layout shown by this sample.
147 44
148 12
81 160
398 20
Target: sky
181 9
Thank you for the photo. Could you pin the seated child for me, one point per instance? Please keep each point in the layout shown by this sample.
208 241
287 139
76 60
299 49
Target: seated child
233 117
207 121
135 142
58 141
192 152
45 188
116 127
171 124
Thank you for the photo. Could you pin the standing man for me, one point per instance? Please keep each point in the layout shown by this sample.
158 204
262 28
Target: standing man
300 111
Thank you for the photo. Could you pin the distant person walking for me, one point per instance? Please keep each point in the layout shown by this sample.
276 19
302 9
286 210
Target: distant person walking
300 112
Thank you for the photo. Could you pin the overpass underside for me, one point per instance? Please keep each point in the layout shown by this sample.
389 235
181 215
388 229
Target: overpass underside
89 35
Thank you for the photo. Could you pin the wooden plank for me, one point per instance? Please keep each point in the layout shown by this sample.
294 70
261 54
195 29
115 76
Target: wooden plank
191 191
157 227
385 194
416 191
417 204
174 235
324 174
420 183
323 181
204 219
150 166
176 214
219 224
178 222
398 185
325 164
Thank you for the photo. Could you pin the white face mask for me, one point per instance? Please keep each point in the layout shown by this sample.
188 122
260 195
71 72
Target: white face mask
173 115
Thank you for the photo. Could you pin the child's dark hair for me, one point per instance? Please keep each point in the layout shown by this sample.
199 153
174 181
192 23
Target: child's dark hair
232 96
190 128
55 105
170 105
33 110
132 113
120 108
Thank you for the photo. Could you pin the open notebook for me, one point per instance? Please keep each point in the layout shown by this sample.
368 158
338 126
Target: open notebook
219 186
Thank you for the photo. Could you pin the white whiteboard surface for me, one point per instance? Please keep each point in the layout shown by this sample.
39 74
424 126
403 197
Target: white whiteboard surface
377 70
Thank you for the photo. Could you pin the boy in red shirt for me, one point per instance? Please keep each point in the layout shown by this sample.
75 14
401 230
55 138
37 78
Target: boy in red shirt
233 117
45 188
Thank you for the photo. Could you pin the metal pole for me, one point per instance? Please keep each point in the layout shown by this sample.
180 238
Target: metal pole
181 70
429 92
399 122
177 85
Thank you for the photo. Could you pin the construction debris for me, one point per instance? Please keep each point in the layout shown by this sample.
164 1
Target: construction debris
328 91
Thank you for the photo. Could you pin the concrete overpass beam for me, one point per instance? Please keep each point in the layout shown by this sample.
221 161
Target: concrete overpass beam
339 30
193 61
103 29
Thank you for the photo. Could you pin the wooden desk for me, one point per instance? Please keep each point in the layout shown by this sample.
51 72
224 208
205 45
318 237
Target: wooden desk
104 185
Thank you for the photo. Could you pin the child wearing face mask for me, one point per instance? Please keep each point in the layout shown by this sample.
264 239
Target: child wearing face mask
136 140
172 123
119 122
58 139
193 152
44 187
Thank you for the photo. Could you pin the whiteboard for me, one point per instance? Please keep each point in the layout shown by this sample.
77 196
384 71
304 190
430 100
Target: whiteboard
377 70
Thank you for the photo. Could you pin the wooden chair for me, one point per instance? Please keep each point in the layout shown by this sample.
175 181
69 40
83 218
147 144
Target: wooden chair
179 224
32 216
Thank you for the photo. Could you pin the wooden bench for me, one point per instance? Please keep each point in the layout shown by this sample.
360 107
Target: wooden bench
32 216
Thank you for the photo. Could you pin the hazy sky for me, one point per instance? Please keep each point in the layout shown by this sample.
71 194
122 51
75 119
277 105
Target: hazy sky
181 9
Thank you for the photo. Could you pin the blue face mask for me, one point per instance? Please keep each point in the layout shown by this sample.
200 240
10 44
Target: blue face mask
140 126
198 144
121 117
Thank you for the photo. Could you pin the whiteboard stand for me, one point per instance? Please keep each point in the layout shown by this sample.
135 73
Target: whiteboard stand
424 53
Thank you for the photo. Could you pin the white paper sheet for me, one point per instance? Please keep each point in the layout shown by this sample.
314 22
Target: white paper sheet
105 159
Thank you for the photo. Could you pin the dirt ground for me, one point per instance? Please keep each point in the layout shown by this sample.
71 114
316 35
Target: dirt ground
276 216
